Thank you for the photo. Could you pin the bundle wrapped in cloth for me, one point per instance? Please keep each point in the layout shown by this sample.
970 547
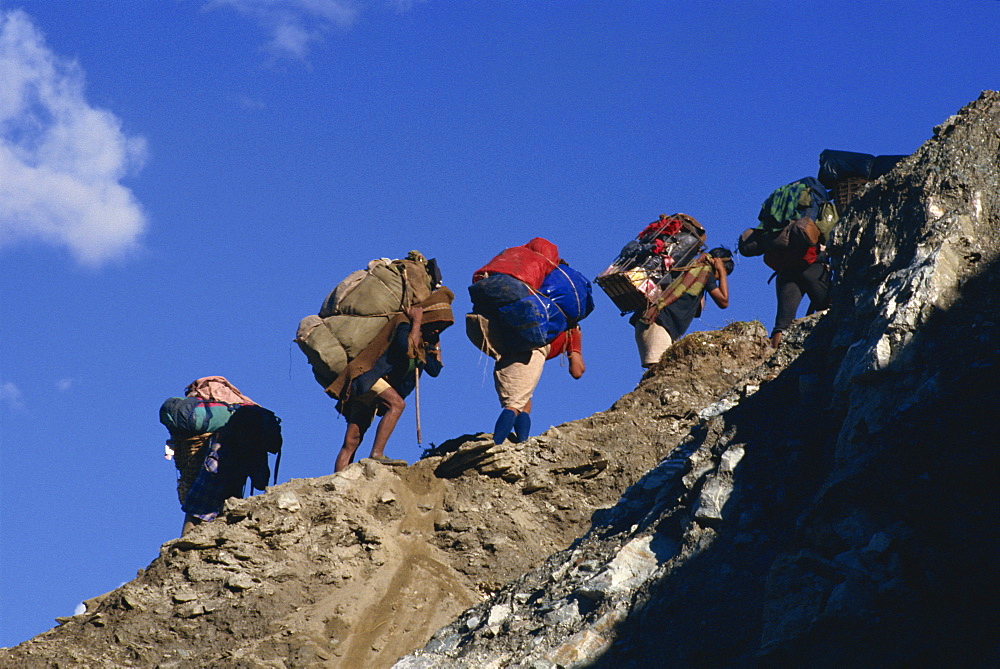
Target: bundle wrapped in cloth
358 318
529 295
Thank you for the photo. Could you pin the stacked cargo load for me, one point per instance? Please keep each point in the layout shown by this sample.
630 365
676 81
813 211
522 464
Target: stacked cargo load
845 173
647 265
364 310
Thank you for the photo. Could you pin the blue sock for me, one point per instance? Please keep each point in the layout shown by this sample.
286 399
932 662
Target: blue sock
522 426
504 425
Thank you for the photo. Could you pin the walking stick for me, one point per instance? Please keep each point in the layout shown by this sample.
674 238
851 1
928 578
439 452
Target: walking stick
416 390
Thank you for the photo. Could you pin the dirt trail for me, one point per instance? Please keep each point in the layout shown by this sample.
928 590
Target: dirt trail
361 567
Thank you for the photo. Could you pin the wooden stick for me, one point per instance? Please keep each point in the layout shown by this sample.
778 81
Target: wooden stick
416 391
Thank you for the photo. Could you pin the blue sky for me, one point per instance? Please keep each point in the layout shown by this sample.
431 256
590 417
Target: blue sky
182 181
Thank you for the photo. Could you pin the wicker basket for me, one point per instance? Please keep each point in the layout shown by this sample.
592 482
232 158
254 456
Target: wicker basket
630 289
846 190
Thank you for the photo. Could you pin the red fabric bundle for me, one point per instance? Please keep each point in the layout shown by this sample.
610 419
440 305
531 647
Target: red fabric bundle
664 226
530 263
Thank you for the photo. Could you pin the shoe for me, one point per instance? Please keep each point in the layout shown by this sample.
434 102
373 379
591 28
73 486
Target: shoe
505 423
390 462
522 426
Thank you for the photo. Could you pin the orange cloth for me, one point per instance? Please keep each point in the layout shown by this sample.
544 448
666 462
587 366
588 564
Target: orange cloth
570 341
216 389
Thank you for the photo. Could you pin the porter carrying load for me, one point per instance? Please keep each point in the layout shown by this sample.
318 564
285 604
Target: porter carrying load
365 307
793 221
376 332
219 439
527 304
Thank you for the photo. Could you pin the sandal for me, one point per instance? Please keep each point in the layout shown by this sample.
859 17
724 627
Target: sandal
389 461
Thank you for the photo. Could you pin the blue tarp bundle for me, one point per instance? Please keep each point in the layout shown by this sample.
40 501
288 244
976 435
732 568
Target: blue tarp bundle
190 416
495 291
571 291
532 319
836 166
529 319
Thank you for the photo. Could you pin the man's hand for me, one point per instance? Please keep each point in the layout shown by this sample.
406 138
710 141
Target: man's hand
416 317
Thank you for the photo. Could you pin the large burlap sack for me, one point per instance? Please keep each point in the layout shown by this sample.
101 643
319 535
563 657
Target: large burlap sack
330 343
385 287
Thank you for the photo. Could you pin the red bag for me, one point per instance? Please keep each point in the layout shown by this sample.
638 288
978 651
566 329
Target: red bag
530 263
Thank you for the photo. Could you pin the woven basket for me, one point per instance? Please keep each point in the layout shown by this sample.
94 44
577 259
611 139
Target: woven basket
629 290
847 190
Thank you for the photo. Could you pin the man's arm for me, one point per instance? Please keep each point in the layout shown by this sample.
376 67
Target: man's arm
574 347
720 294
416 317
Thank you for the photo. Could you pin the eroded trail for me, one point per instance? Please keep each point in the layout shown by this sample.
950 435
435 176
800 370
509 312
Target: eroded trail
361 567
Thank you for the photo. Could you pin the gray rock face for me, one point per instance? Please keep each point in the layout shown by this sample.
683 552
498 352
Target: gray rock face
831 504
836 507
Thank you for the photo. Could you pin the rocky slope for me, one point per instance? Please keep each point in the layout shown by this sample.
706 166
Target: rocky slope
829 505
358 568
842 515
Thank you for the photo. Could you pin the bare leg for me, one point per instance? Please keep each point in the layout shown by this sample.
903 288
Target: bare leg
189 523
394 404
352 439
359 418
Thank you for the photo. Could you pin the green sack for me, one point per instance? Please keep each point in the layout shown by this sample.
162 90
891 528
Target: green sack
330 343
826 219
380 291
385 287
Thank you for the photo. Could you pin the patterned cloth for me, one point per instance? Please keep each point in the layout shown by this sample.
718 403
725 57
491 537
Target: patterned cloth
208 492
189 456
692 282
783 204
676 317
216 389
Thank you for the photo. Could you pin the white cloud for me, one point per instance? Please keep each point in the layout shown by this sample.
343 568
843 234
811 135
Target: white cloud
402 5
295 25
61 160
63 385
12 396
250 103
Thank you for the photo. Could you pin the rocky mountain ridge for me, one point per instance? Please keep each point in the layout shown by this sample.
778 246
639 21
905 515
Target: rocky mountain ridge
839 516
826 505
361 567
